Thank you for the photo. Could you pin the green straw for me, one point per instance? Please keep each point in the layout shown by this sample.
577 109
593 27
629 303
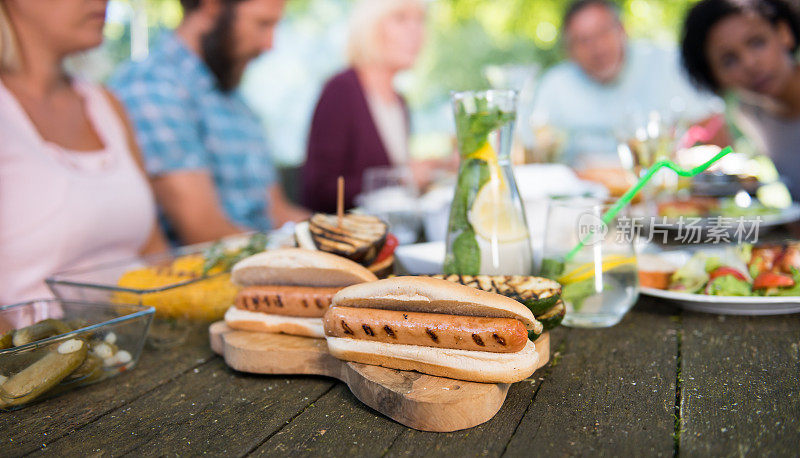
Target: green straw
628 196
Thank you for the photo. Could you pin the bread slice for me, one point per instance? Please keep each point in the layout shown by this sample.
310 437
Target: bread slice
246 320
474 366
299 267
432 295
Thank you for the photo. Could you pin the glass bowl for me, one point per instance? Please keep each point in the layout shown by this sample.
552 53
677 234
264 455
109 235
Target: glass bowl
99 340
172 283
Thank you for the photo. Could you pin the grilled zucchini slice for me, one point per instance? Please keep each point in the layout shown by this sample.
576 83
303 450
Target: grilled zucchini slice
537 293
553 317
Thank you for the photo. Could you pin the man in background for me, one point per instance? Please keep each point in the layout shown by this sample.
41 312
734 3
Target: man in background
204 149
608 87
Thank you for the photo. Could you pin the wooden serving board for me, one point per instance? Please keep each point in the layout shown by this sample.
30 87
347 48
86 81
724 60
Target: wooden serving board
416 400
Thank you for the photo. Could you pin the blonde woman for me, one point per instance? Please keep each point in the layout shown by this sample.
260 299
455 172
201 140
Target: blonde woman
72 193
360 121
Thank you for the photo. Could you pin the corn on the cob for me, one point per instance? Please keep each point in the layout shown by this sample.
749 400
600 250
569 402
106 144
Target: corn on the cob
205 299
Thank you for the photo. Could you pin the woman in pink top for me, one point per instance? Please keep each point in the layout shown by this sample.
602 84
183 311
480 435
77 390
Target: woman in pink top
72 192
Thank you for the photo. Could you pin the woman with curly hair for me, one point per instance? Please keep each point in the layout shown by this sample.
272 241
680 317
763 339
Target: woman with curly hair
749 48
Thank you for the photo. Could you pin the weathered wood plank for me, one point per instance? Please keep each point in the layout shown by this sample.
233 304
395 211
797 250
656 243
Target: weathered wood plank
490 438
209 410
612 392
335 425
28 429
740 385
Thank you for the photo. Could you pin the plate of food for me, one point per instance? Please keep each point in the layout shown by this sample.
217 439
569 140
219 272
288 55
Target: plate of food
727 212
745 279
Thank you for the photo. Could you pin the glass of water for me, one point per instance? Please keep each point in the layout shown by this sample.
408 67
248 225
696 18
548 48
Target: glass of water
390 194
600 282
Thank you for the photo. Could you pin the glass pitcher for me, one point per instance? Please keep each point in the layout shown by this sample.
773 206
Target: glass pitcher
487 231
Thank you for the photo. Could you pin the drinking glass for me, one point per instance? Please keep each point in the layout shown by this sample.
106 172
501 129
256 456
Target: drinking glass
390 194
600 282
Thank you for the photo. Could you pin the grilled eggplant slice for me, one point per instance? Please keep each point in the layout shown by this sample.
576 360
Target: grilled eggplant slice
537 293
360 237
553 317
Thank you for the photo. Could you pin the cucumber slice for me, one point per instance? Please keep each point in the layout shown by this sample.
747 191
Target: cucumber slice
553 317
537 293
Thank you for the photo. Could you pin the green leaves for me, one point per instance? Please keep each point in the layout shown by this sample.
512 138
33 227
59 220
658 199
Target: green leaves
472 175
217 256
465 258
474 128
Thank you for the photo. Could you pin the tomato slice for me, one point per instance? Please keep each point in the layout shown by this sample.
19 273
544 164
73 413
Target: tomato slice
772 280
388 247
722 271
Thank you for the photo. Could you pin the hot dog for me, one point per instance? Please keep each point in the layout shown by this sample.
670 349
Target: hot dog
305 301
498 335
433 326
288 290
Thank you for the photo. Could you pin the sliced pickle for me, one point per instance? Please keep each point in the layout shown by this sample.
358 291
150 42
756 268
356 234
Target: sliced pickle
41 330
90 369
44 374
77 323
7 341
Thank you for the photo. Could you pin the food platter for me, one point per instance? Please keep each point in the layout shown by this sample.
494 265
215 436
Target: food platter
766 221
728 305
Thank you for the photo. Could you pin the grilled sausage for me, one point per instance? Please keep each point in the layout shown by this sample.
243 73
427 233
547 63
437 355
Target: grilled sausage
497 335
302 301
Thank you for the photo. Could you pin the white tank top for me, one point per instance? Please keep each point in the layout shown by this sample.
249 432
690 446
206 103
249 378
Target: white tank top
62 209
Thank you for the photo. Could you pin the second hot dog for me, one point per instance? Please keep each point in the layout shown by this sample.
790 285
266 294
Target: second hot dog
497 335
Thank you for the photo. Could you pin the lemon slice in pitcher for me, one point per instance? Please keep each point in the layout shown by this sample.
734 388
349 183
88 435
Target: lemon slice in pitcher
493 214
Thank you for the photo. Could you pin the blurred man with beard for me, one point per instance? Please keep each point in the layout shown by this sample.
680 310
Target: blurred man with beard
204 149
608 85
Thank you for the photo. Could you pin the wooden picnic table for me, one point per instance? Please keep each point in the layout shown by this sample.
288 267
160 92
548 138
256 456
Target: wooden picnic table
662 382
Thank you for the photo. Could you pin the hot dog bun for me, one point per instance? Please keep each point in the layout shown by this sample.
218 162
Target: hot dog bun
298 267
426 336
474 366
246 320
279 309
432 295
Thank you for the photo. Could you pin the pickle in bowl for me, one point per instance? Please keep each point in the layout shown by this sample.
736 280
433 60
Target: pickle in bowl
82 343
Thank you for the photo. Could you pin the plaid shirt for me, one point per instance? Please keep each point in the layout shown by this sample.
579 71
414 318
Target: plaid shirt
183 122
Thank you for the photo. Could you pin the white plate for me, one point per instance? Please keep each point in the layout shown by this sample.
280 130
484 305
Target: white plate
728 305
786 215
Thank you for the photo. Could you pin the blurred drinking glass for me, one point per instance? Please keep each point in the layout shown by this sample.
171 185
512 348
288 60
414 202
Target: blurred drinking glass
390 194
644 139
548 142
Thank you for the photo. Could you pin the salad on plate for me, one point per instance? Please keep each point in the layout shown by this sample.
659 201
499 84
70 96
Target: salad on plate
744 270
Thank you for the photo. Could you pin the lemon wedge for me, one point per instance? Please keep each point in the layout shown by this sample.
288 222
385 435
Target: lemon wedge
485 153
587 270
493 215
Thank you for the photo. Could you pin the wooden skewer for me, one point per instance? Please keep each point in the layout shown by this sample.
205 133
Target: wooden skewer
339 201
